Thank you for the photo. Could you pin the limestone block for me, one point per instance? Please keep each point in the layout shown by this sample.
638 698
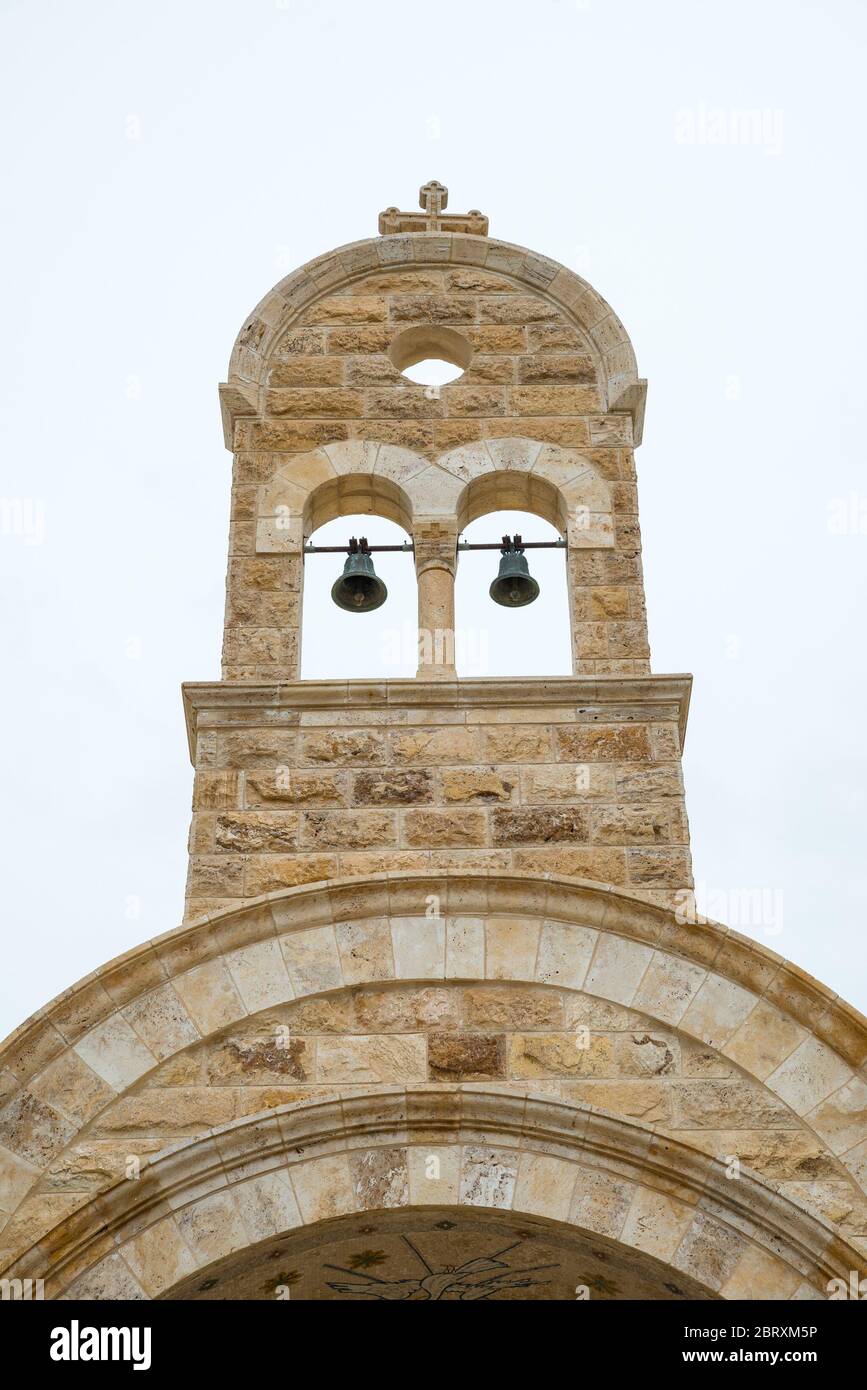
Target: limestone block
159 1256
488 1177
349 310
717 1010
545 1185
162 1022
465 948
668 987
380 1178
764 1040
565 952
312 960
212 1227
644 1100
760 1275
393 787
640 783
409 1009
210 996
316 370
519 743
631 825
348 829
110 1279
601 1202
251 748
418 944
602 865
70 1087
466 1056
267 1205
432 828
841 1119
808 1076
556 783
617 968
512 1007
429 747
566 825
726 1105
657 1223
476 784
371 1059
115 1052
344 748
434 1175
512 945
259 974
273 871
710 1251
32 1133
617 743
256 832
365 950
215 790
296 788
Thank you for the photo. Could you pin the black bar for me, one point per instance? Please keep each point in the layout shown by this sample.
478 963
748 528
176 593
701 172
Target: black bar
462 545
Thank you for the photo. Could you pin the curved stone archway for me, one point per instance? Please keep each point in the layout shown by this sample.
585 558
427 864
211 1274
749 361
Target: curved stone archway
97 1061
439 1254
201 1210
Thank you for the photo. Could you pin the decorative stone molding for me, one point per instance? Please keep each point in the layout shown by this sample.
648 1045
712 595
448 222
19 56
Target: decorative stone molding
206 1199
618 698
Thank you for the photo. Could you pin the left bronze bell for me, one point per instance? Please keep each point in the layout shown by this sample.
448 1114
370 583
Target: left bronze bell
359 588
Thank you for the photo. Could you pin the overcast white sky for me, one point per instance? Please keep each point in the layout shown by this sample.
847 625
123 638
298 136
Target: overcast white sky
164 164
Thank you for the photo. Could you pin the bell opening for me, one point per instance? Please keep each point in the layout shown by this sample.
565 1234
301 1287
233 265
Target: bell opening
345 635
507 632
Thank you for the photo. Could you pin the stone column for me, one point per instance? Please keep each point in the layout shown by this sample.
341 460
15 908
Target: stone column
435 545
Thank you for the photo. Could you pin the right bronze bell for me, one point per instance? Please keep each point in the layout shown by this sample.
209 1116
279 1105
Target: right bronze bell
514 586
359 588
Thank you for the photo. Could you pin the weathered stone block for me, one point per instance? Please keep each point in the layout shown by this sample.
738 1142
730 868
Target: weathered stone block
348 829
437 828
466 1056
392 787
344 748
609 743
252 832
476 784
536 825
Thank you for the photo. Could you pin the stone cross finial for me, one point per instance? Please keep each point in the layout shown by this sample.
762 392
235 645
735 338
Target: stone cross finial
434 198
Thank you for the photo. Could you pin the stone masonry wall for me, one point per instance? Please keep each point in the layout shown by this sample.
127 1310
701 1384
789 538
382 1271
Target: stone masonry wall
465 775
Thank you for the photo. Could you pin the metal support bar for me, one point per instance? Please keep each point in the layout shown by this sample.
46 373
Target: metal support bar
462 545
525 545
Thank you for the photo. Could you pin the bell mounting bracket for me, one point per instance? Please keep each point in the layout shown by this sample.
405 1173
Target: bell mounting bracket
359 546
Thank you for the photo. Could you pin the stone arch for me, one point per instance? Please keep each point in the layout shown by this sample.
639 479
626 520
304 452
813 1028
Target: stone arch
523 474
346 265
206 1201
97 1043
518 473
337 480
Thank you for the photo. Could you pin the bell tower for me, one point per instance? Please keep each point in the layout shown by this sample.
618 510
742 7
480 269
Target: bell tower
436 1025
299 781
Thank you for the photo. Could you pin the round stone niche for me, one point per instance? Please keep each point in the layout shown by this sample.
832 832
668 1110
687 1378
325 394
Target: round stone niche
440 354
